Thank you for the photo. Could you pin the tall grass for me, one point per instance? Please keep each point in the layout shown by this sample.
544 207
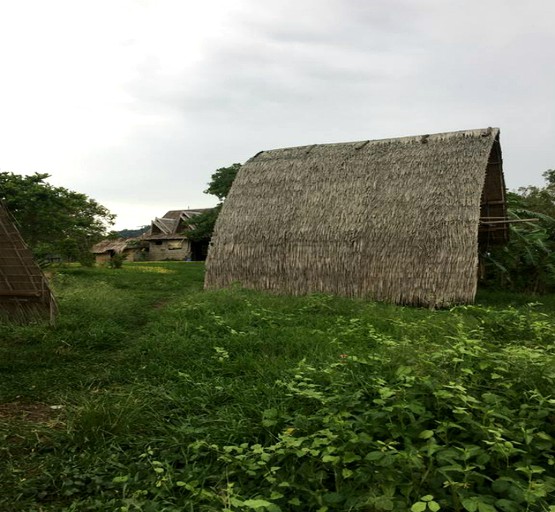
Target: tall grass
170 398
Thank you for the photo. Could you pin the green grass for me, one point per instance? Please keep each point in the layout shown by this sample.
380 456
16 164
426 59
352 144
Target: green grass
169 398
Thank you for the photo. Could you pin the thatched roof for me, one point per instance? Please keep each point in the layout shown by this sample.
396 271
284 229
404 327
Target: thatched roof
184 214
24 291
173 225
117 245
394 220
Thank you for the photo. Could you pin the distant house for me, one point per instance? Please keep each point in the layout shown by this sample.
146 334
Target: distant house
134 249
167 238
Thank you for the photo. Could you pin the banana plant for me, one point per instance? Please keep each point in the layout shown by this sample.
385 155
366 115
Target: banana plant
527 262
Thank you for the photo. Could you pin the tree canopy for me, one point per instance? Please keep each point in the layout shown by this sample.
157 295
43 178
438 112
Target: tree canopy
220 184
538 199
221 181
54 220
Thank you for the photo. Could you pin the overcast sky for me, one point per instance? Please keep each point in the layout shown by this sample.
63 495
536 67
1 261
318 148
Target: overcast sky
136 103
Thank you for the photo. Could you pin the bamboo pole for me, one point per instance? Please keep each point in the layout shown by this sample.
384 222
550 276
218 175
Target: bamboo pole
508 221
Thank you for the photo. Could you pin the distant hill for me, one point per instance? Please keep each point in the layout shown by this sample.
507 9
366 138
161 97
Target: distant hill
131 233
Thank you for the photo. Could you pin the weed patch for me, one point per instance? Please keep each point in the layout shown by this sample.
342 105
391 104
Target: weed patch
175 399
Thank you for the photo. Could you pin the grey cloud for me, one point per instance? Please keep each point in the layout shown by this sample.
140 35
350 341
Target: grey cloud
332 71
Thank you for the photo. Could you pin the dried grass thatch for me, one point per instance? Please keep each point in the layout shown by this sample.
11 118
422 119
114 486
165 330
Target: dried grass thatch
118 245
24 291
394 220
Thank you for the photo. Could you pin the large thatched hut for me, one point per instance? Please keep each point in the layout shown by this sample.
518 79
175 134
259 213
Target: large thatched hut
398 220
24 291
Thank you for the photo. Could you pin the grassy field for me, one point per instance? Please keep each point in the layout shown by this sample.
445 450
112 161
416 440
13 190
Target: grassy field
152 395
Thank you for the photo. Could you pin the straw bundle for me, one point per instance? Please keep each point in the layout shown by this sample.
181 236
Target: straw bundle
24 292
394 220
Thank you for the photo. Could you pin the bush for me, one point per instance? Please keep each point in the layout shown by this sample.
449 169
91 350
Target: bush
116 261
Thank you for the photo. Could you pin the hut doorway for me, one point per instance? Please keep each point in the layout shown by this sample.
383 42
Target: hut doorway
199 250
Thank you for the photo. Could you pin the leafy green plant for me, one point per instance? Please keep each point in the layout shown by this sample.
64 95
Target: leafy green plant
527 263
117 259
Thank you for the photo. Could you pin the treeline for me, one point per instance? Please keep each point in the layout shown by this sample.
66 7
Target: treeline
56 223
131 233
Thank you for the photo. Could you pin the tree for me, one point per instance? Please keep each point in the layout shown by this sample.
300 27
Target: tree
539 199
221 181
54 220
202 226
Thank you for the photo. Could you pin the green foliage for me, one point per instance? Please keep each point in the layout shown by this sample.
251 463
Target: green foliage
221 181
170 398
117 259
220 184
448 428
539 199
527 263
202 225
53 220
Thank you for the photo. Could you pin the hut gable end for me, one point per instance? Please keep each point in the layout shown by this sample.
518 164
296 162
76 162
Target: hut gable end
173 225
24 292
394 220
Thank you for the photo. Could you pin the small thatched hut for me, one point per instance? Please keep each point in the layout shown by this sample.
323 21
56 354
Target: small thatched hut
397 220
133 249
24 291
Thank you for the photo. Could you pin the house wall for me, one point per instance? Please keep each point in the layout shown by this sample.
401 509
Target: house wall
160 252
102 258
135 255
130 255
